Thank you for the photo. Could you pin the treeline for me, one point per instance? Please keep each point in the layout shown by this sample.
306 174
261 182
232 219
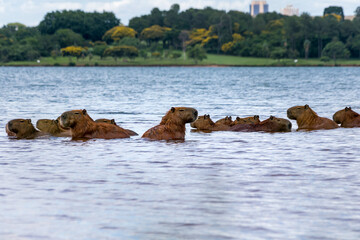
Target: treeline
81 34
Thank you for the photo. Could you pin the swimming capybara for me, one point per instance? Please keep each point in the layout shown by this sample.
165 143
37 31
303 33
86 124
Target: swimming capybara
272 124
112 121
22 129
52 127
347 118
84 127
172 125
307 119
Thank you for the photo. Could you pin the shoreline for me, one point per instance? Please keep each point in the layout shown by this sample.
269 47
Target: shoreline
183 65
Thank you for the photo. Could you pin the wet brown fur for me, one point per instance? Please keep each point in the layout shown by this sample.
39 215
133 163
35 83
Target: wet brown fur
307 119
172 125
272 124
84 127
112 121
246 120
22 129
52 127
347 118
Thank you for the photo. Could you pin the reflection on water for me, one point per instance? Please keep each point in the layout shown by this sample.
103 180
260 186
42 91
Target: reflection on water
219 185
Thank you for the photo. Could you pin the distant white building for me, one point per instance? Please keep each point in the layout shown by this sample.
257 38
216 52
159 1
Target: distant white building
257 7
289 10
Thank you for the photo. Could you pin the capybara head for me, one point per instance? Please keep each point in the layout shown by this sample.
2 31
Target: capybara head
48 125
105 120
278 124
203 123
247 120
182 114
294 112
20 128
346 113
225 121
69 119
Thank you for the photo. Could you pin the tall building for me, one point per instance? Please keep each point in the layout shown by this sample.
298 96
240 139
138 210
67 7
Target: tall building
289 10
257 7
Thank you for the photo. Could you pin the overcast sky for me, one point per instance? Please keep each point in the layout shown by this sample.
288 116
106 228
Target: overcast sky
31 12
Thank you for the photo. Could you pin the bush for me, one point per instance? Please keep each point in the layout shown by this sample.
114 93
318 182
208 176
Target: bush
96 64
143 54
156 55
72 64
176 55
197 53
325 59
56 64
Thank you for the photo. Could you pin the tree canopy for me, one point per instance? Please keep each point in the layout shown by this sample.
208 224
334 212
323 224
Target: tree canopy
91 26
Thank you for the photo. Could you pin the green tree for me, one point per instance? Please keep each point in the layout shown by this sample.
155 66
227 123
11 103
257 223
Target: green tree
278 53
336 49
354 44
197 53
67 37
90 25
334 10
307 45
357 12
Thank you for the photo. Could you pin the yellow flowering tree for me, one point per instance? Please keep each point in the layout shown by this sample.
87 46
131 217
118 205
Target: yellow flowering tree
229 47
154 33
119 32
205 37
73 51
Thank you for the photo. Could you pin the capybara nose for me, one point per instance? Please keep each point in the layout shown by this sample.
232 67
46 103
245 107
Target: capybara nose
288 113
290 125
195 113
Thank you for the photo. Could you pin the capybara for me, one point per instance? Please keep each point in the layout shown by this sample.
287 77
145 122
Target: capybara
22 129
84 127
112 121
307 119
347 118
172 125
227 121
52 127
204 123
272 124
246 120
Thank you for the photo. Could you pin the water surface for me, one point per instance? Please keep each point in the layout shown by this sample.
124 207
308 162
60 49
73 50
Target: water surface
220 185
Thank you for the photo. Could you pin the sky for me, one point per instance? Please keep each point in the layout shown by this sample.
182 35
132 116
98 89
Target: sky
31 12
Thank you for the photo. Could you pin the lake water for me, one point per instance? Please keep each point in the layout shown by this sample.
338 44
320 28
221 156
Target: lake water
220 185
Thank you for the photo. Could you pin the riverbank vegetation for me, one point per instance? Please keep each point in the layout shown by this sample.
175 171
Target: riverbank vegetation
194 36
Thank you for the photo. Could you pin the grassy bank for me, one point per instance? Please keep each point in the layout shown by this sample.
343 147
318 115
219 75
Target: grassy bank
212 59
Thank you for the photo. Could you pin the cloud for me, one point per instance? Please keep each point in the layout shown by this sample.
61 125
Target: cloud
106 6
51 6
2 6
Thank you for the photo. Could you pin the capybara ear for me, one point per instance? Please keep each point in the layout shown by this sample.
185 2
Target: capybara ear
229 117
28 120
84 111
306 106
208 116
347 109
172 109
205 116
271 117
238 118
56 121
256 117
112 121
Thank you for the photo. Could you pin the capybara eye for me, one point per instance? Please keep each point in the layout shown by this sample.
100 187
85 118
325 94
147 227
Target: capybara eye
22 121
181 110
76 113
